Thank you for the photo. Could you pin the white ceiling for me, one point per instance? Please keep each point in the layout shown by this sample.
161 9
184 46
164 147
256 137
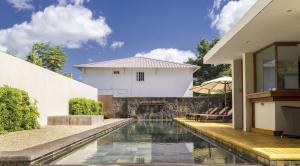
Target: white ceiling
266 22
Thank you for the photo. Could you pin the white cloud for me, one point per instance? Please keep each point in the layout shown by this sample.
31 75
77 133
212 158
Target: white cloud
217 4
168 54
69 26
231 12
74 2
21 4
90 60
116 44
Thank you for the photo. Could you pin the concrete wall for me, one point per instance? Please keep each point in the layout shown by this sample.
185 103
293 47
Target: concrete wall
265 115
248 87
158 82
237 94
51 90
271 116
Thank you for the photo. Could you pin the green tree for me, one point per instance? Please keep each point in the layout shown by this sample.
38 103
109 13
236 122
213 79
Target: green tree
54 59
48 56
35 59
206 71
226 72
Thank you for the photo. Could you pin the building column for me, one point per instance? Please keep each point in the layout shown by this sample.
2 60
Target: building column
237 94
248 87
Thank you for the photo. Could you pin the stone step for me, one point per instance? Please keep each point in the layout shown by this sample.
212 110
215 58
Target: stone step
75 120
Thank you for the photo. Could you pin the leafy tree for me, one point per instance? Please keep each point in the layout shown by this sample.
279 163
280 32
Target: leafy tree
226 72
47 56
33 58
207 71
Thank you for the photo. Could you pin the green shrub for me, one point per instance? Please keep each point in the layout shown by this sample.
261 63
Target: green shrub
83 106
105 114
17 112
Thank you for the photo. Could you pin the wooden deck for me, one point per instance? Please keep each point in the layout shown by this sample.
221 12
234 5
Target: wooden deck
266 146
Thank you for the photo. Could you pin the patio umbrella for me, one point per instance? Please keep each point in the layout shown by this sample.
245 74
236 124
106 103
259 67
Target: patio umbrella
220 85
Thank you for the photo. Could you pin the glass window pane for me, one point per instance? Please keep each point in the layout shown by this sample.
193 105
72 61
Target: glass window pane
265 70
288 67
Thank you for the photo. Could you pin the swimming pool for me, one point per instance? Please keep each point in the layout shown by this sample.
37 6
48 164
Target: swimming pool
151 142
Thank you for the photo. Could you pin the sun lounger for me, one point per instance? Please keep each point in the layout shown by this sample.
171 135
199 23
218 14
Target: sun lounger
194 115
213 111
222 111
213 115
225 116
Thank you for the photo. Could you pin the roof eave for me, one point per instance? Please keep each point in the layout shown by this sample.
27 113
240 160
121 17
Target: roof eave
195 68
210 57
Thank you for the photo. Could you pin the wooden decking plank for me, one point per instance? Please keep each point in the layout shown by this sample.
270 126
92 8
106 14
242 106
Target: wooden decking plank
267 146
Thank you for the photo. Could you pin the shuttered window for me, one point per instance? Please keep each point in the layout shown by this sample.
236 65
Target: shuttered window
140 76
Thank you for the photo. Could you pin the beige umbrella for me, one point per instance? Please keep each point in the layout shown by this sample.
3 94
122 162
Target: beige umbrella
220 85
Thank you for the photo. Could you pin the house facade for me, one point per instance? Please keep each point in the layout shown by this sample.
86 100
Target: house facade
264 51
139 77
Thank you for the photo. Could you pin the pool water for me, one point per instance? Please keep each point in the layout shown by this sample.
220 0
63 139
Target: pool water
150 142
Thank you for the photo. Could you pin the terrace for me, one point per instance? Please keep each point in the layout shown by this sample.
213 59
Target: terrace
265 148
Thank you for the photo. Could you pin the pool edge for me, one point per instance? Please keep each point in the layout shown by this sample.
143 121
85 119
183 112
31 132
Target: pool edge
47 151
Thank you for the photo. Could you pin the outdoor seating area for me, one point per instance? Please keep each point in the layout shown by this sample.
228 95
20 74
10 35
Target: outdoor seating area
220 85
223 114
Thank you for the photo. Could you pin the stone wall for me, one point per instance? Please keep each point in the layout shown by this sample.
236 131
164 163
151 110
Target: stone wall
162 107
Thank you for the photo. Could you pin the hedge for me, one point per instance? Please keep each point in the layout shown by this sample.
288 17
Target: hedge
17 112
83 106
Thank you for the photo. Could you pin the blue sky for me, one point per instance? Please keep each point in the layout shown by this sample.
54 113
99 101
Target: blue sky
97 30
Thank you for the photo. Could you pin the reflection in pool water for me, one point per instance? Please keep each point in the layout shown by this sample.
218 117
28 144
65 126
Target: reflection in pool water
150 142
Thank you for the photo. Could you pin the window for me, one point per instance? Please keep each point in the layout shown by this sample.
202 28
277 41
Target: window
288 67
140 76
278 67
265 70
116 72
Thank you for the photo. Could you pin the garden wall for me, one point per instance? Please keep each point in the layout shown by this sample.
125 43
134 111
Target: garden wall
162 107
51 90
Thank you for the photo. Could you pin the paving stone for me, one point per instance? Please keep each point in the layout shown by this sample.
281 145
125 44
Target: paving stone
37 150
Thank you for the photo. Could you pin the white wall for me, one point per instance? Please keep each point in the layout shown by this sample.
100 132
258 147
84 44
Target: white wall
51 90
265 115
271 116
158 82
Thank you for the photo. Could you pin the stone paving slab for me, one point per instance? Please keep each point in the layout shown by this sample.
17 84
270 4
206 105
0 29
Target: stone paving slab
33 150
16 141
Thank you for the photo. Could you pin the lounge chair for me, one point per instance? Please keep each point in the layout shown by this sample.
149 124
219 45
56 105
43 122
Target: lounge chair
223 110
228 115
211 112
225 116
191 115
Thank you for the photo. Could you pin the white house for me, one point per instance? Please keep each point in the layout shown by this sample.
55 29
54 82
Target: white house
139 77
